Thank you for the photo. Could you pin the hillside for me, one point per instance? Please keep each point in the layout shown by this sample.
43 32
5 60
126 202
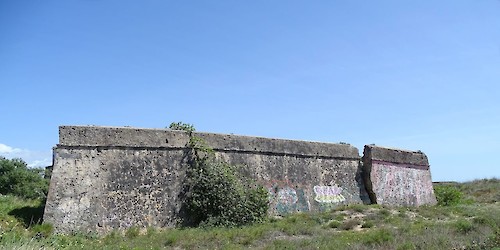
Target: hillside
469 218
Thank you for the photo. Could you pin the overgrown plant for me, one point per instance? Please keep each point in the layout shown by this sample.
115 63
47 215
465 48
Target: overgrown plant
216 193
447 195
182 126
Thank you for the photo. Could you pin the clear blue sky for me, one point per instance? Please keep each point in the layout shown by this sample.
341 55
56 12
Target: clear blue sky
421 75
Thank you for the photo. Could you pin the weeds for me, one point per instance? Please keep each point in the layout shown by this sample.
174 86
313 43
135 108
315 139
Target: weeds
384 212
357 207
378 236
447 195
406 246
132 232
463 226
368 224
42 230
334 224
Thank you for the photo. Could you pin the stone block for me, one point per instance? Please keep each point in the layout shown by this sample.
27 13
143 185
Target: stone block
397 177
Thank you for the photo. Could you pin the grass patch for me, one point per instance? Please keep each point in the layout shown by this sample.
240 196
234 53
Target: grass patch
334 224
368 224
464 226
132 232
378 236
481 191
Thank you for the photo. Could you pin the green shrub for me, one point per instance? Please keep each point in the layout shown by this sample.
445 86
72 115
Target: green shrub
19 180
216 194
182 126
447 195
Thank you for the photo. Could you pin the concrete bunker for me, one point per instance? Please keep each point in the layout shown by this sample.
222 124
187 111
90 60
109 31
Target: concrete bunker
108 178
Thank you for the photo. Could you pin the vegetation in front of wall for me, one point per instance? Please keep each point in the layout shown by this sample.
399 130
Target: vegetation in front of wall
215 193
16 178
448 195
466 225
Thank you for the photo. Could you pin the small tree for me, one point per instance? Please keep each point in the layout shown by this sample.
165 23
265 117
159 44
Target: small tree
219 196
216 193
17 179
447 195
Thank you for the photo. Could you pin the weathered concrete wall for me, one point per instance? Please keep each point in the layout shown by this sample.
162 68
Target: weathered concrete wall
114 177
397 177
108 177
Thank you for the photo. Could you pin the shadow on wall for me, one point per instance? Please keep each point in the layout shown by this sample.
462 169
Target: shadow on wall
363 193
183 213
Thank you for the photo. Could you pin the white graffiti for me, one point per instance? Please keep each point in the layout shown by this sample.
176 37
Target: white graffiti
287 196
328 194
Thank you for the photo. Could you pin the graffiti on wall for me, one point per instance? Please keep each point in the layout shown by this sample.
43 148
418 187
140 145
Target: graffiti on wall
328 197
286 198
401 185
328 194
